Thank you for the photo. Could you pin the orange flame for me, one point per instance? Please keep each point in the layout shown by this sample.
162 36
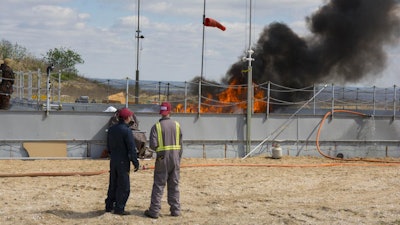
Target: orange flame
233 99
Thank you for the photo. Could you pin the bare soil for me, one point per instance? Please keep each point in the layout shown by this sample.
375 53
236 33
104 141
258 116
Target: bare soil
259 190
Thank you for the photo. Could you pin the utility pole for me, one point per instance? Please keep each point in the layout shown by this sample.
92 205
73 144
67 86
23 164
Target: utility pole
249 99
249 88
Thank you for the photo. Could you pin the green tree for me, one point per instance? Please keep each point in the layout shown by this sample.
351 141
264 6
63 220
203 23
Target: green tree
65 60
12 51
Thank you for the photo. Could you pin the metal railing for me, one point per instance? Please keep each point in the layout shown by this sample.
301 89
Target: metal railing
218 98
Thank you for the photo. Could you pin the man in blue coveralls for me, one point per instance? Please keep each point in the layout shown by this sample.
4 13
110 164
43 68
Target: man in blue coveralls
166 140
122 151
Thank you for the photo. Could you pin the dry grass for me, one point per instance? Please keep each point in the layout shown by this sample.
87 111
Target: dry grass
281 193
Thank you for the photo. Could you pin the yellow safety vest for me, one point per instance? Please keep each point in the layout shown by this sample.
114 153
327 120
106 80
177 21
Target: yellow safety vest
161 146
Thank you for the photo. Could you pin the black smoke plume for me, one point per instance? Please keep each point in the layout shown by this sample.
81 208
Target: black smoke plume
346 44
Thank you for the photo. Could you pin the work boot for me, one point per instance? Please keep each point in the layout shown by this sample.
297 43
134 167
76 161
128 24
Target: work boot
175 214
122 213
148 214
109 206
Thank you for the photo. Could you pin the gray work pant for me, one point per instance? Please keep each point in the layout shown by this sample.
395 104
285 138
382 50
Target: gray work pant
166 172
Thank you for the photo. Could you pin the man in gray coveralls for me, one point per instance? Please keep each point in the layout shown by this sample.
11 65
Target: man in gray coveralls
166 139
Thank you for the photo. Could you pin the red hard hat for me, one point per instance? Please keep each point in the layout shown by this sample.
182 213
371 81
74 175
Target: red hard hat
125 113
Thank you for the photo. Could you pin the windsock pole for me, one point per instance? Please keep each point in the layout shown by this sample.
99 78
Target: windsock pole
202 59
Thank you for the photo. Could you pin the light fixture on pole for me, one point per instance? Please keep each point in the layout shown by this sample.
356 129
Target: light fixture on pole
138 37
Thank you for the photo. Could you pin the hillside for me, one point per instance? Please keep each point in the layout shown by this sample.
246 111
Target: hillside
98 92
80 86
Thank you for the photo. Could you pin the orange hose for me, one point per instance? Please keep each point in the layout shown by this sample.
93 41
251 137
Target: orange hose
284 165
335 158
53 174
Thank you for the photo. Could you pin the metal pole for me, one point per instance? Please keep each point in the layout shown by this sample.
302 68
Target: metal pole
38 87
333 100
127 92
108 90
249 101
47 91
249 90
268 98
167 92
186 88
30 85
250 24
49 69
22 82
138 37
386 90
59 87
314 99
159 92
357 98
394 102
373 99
202 58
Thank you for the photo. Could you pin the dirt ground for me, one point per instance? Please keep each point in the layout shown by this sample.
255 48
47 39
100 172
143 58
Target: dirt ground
259 190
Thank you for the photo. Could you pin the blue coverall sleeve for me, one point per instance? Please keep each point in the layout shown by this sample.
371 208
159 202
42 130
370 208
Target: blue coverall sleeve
131 146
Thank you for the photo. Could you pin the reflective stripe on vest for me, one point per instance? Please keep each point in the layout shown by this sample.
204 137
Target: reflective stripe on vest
161 146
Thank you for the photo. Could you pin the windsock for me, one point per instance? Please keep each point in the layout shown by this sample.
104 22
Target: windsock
208 22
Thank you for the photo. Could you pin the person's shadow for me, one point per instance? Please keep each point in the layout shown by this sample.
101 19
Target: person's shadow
68 214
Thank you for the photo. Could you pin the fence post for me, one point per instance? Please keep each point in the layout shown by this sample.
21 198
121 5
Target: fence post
314 99
30 85
59 87
333 100
168 92
394 102
199 97
22 84
225 150
386 99
39 87
159 92
186 87
373 101
127 92
357 90
268 97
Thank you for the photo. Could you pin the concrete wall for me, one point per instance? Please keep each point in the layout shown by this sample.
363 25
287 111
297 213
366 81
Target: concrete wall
208 135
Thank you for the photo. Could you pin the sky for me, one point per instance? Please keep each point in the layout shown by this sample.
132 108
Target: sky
104 33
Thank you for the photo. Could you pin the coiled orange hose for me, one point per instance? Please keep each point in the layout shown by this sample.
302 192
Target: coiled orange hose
336 158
